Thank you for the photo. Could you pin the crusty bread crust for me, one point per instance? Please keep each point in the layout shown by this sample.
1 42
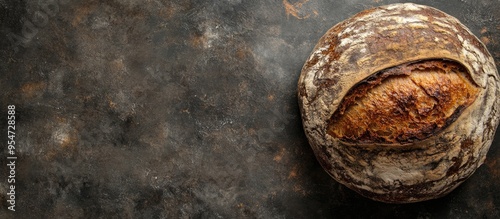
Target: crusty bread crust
406 103
397 166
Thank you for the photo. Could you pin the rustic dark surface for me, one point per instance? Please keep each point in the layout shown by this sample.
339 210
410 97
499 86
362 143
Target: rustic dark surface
187 109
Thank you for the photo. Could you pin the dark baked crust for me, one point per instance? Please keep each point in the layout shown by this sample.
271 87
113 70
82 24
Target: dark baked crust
409 102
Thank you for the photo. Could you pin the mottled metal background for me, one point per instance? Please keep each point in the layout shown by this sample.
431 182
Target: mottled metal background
187 109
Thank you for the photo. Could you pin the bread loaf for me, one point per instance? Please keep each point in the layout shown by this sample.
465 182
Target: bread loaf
400 103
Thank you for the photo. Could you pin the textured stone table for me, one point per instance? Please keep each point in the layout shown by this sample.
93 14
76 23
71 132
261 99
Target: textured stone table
186 109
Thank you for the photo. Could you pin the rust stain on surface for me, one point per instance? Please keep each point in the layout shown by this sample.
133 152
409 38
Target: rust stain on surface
82 13
241 54
485 40
278 157
32 89
295 9
270 97
293 173
197 41
299 189
484 30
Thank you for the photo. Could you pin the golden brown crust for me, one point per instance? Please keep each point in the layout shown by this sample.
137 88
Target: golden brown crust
402 104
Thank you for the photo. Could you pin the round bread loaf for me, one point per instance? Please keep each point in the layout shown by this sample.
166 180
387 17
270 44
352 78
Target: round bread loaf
400 103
